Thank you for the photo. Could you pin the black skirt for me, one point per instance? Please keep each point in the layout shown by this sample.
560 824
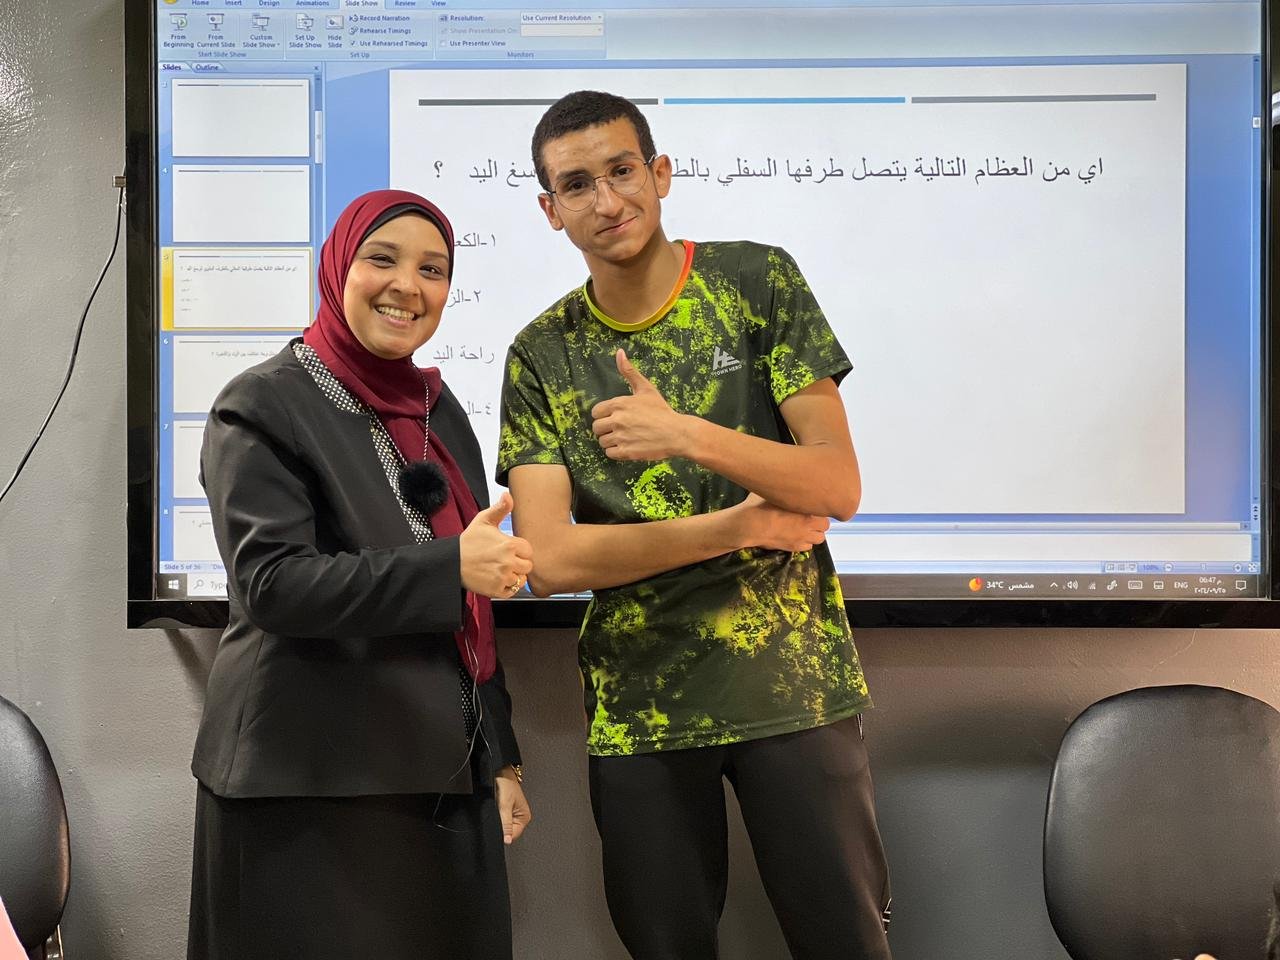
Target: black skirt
411 877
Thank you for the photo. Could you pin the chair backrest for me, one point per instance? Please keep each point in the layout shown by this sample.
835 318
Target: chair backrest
35 849
1162 832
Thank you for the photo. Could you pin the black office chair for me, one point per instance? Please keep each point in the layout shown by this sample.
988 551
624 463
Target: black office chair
1162 833
35 849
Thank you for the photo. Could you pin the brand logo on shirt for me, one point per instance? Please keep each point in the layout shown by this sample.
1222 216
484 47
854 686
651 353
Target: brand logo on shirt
722 363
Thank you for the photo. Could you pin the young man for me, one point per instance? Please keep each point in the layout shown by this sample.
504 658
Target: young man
675 442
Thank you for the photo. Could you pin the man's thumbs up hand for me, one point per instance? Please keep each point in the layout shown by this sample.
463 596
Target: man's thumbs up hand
641 426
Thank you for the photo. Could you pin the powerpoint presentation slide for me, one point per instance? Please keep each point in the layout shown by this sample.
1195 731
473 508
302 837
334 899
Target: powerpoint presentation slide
193 535
202 366
227 117
239 288
241 203
999 249
188 435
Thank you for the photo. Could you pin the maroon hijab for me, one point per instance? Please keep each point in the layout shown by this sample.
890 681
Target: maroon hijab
396 390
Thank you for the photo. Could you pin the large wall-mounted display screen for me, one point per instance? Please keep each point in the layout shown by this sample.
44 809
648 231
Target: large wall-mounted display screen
1037 228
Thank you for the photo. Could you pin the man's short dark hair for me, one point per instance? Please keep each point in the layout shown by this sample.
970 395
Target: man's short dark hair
579 110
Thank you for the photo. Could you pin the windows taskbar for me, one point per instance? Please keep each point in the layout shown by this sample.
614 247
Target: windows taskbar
1053 586
932 586
935 600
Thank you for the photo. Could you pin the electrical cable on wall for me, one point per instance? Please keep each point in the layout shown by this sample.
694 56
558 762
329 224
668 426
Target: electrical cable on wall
75 348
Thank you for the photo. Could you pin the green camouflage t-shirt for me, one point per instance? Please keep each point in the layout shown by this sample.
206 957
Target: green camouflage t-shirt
746 645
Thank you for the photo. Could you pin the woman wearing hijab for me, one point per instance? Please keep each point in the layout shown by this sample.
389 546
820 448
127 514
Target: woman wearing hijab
357 770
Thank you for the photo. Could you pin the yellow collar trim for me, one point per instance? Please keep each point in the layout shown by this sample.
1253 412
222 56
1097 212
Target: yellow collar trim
608 321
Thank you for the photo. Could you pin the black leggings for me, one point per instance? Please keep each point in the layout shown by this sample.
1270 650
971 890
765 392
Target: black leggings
808 804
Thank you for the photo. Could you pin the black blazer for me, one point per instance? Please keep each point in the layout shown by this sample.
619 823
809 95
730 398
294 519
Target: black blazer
337 674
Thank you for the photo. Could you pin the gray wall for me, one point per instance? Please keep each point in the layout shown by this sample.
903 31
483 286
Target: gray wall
963 736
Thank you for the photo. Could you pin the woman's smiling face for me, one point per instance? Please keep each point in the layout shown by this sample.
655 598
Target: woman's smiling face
397 287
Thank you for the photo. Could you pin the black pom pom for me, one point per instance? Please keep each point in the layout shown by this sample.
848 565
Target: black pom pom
424 485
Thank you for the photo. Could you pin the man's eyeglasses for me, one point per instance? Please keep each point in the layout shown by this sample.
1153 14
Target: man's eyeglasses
577 191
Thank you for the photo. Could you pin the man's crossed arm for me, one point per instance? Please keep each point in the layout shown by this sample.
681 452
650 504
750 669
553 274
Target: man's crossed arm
793 489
